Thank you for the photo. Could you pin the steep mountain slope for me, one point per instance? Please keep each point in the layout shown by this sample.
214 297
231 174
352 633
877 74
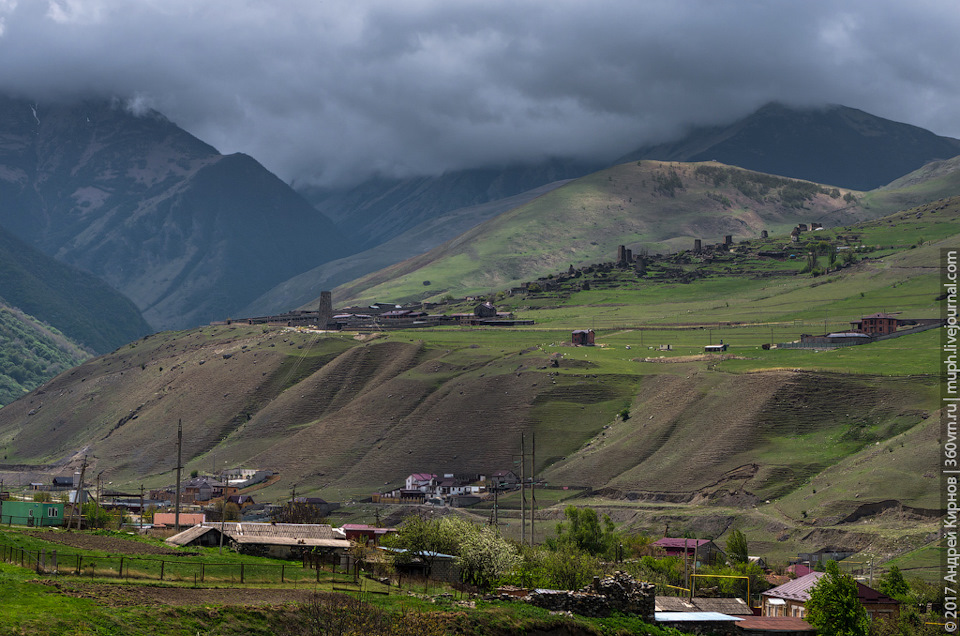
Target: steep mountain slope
31 353
327 411
81 306
649 205
302 290
835 145
379 209
188 234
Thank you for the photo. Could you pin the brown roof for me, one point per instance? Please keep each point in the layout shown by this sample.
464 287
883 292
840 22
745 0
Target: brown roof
730 606
775 624
317 535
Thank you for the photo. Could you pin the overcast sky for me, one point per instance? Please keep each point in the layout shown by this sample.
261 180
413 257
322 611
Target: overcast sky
328 90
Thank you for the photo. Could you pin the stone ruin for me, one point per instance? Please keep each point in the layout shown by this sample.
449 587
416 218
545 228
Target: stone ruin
617 593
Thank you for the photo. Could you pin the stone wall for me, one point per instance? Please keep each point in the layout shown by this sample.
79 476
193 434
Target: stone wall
620 593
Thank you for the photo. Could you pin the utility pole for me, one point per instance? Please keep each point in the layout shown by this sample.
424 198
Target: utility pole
73 509
141 508
533 483
523 493
97 501
176 512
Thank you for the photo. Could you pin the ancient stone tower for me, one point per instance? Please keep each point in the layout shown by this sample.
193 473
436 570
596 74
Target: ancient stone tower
325 311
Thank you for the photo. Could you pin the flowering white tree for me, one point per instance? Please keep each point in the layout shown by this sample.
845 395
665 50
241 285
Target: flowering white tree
485 557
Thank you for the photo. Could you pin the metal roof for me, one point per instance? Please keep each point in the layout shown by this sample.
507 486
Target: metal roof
797 589
669 542
775 624
670 617
316 535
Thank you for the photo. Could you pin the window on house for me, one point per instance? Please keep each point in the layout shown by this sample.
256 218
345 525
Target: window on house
53 512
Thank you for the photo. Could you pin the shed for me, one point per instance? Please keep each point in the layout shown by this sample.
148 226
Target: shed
717 348
485 310
699 622
434 565
278 540
704 549
31 513
365 533
583 337
169 519
779 625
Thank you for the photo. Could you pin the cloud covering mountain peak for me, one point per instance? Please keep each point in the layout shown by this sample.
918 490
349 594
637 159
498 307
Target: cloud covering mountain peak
331 92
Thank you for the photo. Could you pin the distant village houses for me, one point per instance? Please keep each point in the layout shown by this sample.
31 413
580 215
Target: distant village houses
452 489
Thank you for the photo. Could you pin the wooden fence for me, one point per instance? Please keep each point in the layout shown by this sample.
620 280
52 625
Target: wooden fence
53 562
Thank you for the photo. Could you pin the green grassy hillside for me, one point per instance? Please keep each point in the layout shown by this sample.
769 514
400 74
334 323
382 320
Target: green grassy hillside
31 353
709 442
645 205
650 207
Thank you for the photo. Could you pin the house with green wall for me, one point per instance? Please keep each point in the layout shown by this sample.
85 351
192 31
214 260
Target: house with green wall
31 513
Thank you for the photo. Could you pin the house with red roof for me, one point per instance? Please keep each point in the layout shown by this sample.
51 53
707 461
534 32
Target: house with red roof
366 534
879 324
423 482
705 550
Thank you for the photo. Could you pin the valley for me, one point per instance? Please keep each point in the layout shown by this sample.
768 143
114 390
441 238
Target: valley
788 444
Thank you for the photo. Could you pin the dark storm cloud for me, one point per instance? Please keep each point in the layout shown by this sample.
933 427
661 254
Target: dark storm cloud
337 90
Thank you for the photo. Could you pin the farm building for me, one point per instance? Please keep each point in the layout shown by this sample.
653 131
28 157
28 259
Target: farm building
485 310
169 519
705 550
278 540
779 625
717 348
584 337
364 533
62 482
876 324
504 479
31 513
433 565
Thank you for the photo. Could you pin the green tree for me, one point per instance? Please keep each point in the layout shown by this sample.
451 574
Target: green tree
96 516
569 568
737 547
584 531
894 585
834 608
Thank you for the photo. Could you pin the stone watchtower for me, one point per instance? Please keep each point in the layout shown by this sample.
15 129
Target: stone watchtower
325 311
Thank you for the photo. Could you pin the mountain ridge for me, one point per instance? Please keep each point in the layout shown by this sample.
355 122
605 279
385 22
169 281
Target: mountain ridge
834 145
188 234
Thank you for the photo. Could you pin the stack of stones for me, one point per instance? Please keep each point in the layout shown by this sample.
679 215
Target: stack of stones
626 594
619 592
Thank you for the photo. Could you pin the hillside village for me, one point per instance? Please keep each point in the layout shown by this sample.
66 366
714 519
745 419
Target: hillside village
640 530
